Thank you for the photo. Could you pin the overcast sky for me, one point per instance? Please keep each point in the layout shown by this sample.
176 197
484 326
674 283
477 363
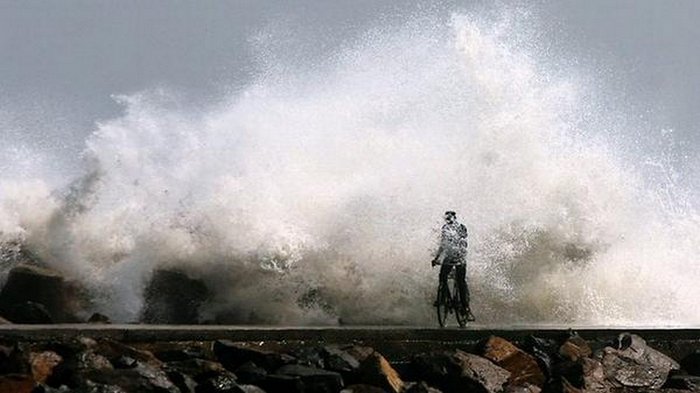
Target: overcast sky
60 61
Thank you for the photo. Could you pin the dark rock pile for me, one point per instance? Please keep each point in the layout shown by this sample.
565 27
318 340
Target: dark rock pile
569 365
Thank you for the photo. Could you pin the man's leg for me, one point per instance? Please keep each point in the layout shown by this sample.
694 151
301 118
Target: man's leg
461 277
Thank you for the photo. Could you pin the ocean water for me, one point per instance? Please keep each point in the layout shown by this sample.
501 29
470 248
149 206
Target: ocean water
314 194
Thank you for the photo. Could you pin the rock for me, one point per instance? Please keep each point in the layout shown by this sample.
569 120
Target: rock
113 349
199 369
340 360
358 352
144 378
91 387
311 356
232 355
251 389
42 364
635 364
250 373
360 388
575 348
314 380
29 313
683 381
219 384
376 370
28 283
173 355
171 297
98 318
545 352
458 371
282 384
16 383
594 379
691 363
14 360
125 362
420 387
527 388
184 382
522 366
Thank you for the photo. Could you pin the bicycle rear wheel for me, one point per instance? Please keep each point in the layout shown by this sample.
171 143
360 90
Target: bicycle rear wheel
460 313
443 304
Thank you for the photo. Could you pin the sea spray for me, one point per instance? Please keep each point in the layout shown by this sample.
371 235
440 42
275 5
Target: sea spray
313 196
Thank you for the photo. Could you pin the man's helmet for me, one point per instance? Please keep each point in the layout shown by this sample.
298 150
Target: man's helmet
450 213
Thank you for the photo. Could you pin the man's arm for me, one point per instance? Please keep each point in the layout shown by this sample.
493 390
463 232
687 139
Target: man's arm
441 248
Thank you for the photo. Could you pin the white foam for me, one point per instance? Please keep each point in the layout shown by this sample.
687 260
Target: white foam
314 196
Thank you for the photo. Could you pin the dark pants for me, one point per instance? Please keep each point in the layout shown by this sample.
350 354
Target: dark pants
460 280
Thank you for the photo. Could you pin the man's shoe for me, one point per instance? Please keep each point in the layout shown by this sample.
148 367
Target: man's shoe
470 316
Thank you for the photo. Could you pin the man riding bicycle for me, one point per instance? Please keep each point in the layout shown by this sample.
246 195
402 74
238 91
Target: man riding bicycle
452 253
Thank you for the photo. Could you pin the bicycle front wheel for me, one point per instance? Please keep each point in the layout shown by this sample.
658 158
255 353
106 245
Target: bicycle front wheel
443 302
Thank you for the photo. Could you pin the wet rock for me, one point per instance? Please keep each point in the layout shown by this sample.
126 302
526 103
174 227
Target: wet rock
458 371
224 383
43 364
98 318
143 378
251 389
28 283
340 360
14 360
250 373
691 363
634 364
282 384
16 383
575 348
113 349
593 376
232 355
182 381
125 362
199 369
314 380
683 381
171 297
312 356
522 366
376 370
527 388
420 387
360 388
29 313
91 387
172 355
545 352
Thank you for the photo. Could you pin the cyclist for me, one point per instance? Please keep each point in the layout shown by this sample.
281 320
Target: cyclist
452 253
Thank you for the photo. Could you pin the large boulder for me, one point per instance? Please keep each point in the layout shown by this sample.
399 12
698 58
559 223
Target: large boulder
458 371
522 366
172 297
633 364
29 285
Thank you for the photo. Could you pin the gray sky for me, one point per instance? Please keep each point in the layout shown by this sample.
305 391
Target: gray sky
60 61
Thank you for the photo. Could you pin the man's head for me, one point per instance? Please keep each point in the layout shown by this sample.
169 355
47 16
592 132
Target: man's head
450 216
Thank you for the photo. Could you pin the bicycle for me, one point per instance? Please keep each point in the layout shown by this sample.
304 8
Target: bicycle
448 301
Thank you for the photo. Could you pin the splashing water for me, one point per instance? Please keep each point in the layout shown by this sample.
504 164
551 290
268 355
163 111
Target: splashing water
313 195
